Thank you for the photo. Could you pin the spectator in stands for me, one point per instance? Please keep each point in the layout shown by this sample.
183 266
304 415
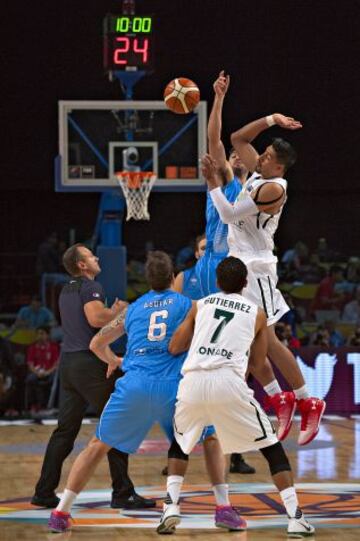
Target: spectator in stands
294 260
336 338
326 297
322 252
353 270
6 379
294 315
42 359
48 259
351 313
312 273
285 335
354 339
34 315
320 338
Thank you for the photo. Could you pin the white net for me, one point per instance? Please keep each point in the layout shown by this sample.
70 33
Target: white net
136 188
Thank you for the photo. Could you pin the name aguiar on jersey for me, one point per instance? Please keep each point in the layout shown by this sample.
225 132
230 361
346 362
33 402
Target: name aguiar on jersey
158 304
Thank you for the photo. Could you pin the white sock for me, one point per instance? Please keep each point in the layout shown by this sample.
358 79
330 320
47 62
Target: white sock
301 392
272 388
173 487
221 493
290 501
66 501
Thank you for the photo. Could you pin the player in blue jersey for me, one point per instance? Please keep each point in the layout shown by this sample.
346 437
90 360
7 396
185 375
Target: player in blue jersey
147 392
234 175
187 281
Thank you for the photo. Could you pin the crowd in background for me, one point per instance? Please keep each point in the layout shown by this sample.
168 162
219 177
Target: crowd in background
321 287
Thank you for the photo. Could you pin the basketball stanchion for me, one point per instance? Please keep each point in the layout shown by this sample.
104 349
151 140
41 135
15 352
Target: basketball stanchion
136 187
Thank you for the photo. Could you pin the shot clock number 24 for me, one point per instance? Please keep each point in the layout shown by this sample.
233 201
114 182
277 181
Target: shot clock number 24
128 42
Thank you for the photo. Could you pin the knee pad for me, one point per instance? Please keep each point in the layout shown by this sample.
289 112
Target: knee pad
175 451
276 457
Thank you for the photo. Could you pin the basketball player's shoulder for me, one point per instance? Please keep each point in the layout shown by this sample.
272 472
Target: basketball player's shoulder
181 300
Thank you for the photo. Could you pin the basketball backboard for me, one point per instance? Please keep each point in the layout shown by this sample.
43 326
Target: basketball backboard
99 138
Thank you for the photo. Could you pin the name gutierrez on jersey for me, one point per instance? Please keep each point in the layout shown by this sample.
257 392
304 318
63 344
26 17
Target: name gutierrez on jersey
226 303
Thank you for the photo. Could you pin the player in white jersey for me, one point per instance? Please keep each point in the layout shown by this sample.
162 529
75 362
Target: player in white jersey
252 221
228 333
284 402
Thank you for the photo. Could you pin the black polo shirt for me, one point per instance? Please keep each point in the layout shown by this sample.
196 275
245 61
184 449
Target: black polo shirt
74 295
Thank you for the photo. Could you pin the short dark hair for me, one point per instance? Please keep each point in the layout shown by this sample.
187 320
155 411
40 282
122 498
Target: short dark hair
285 153
71 257
231 275
159 270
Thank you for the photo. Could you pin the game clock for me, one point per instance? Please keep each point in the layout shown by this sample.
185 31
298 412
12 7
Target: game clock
128 42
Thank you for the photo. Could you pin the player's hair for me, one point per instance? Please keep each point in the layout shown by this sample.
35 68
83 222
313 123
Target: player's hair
285 153
71 257
159 270
231 275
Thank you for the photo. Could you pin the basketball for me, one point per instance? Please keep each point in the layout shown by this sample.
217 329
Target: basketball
181 95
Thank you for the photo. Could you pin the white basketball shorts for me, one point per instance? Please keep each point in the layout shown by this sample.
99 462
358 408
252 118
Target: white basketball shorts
220 397
261 288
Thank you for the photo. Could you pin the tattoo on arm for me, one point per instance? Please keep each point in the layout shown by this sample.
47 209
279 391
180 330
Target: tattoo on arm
114 323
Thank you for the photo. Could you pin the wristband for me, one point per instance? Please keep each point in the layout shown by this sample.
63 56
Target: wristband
270 120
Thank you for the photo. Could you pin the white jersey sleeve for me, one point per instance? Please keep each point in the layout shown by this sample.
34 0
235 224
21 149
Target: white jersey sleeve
254 233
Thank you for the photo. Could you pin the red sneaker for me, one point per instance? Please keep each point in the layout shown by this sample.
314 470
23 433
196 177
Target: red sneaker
284 405
312 410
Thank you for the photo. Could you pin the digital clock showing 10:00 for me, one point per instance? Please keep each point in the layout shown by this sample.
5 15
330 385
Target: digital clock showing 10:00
128 42
135 25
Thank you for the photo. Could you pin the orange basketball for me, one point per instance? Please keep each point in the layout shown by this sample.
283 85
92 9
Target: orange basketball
181 95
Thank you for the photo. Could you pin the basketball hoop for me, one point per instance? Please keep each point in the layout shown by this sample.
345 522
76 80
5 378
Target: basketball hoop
136 187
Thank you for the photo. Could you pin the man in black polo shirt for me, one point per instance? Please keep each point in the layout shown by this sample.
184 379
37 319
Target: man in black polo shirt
83 380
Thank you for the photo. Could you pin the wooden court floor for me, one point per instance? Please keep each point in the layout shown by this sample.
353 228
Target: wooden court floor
332 461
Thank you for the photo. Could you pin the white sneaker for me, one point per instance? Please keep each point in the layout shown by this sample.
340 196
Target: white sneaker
299 527
169 519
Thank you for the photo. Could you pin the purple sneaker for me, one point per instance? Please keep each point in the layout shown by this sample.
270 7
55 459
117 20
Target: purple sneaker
227 517
59 522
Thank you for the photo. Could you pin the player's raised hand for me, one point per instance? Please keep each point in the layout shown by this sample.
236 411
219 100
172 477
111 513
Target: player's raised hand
286 122
221 84
210 171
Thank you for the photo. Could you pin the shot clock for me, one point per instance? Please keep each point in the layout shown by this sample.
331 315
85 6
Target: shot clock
128 42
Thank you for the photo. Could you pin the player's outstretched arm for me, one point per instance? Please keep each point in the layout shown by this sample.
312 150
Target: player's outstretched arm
242 138
216 147
182 337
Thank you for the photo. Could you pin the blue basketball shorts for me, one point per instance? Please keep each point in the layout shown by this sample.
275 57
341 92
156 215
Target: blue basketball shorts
137 403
